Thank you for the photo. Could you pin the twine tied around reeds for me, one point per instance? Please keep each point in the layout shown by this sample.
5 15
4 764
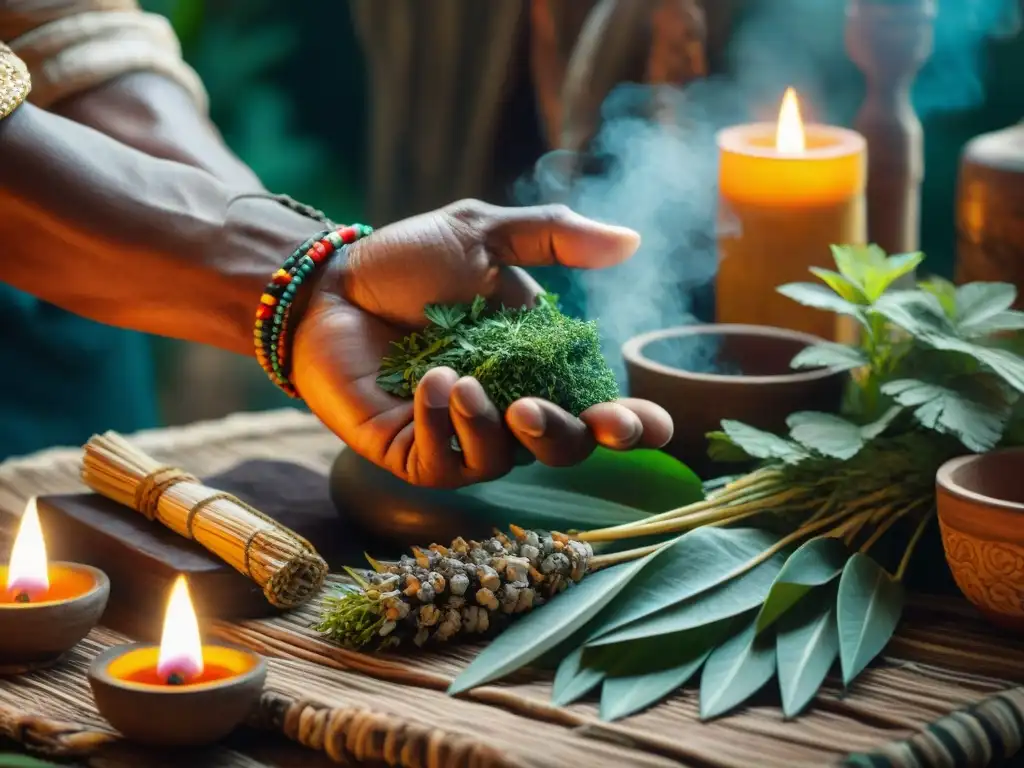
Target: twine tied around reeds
285 565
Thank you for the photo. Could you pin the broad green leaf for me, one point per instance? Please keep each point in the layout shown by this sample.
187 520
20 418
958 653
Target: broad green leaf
1008 366
820 297
693 564
868 609
919 313
1010 320
830 355
557 505
580 673
978 302
944 291
847 290
855 262
807 645
814 563
727 600
761 444
11 760
653 668
724 450
735 671
825 433
877 281
537 632
978 426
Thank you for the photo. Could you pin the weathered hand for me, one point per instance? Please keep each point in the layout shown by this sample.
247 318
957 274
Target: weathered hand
450 256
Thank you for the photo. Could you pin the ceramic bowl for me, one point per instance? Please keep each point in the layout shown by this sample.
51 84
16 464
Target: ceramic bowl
702 374
981 517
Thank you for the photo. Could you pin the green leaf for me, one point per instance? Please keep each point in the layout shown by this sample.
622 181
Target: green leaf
978 426
826 433
1010 320
877 427
919 313
761 444
847 290
830 355
735 671
819 297
557 505
580 673
868 609
1005 364
11 760
979 302
815 563
654 668
807 645
694 563
539 631
729 599
944 291
878 281
724 450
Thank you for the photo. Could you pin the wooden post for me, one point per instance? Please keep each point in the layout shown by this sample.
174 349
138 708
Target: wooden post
890 40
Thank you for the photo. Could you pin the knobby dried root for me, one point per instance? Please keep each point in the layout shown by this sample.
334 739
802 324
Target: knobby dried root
466 589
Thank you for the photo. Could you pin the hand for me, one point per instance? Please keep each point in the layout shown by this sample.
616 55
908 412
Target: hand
450 256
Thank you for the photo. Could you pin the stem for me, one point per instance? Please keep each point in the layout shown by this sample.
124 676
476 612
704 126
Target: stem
887 523
855 526
913 544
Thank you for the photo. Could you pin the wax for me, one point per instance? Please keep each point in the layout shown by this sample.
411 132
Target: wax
151 676
139 665
65 583
778 214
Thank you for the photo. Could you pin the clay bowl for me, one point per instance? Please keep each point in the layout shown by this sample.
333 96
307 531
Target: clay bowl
981 517
702 374
36 635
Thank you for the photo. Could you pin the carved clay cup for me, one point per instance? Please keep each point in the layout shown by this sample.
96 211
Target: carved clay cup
981 516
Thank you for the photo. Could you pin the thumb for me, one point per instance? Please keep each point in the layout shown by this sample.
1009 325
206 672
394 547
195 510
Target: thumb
544 235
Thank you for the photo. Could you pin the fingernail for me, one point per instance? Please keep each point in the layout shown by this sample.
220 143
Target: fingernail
438 389
469 400
529 419
627 432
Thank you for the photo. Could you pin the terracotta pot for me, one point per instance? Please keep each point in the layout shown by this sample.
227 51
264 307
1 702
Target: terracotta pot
702 374
981 516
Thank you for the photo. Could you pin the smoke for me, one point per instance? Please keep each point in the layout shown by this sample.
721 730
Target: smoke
653 163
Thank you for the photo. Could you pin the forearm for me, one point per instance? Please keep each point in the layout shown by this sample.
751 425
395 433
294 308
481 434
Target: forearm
156 115
110 233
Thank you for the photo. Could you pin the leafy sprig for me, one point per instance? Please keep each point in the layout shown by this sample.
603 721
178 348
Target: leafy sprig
513 353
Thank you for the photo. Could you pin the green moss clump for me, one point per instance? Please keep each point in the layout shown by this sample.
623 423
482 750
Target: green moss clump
513 353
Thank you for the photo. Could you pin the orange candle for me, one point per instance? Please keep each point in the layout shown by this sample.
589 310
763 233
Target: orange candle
786 193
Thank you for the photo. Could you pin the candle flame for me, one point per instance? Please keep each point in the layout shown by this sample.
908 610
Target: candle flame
28 568
789 137
181 648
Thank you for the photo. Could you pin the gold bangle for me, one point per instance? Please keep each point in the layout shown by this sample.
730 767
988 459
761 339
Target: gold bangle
15 82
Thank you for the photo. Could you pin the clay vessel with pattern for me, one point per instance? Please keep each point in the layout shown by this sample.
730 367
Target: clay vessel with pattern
981 515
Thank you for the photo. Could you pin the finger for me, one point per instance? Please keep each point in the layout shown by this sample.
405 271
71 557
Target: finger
432 461
555 437
487 448
516 288
544 235
629 423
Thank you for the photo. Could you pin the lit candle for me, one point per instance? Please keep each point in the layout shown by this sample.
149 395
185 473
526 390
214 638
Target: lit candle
181 692
786 193
45 608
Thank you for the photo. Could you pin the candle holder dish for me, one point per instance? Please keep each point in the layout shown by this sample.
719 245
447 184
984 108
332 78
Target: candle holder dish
981 517
34 635
702 374
187 715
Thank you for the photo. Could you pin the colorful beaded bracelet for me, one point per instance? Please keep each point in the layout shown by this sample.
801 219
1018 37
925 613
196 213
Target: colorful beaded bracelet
270 332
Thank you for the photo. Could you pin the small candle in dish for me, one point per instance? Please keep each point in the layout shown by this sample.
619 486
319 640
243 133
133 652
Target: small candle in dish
45 608
180 693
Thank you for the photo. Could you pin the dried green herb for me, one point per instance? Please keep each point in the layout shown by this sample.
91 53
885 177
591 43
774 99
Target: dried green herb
513 353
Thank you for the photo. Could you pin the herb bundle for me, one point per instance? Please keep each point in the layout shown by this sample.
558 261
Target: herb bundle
776 574
513 353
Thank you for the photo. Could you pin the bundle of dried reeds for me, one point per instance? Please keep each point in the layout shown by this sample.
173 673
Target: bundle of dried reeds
283 563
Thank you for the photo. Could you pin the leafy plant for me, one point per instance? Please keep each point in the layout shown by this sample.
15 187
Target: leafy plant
513 353
804 588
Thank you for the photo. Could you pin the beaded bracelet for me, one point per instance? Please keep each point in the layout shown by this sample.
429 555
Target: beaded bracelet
270 332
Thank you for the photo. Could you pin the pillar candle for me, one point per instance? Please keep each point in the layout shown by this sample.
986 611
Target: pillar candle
786 193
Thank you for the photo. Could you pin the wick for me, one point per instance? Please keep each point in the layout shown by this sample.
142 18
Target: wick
175 678
22 597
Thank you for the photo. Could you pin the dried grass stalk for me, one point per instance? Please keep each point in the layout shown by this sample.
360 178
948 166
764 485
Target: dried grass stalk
283 563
